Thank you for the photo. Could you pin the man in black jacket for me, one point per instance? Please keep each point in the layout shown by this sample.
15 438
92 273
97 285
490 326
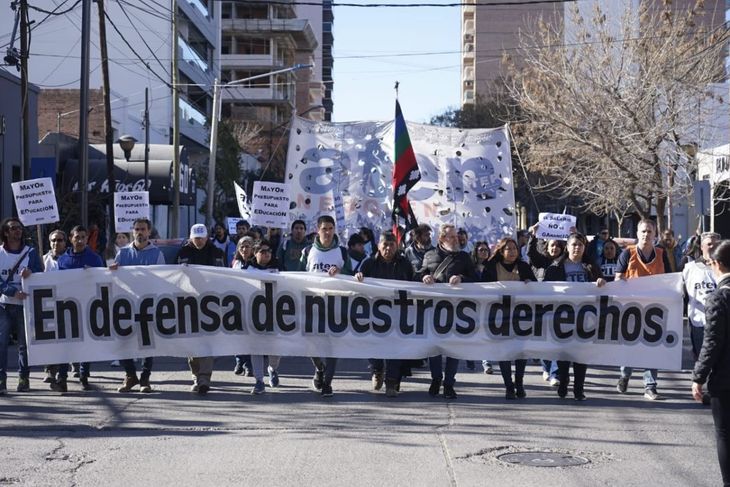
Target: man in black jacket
199 250
387 263
446 264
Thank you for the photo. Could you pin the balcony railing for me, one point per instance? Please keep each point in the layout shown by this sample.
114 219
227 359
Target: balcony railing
189 54
189 112
199 5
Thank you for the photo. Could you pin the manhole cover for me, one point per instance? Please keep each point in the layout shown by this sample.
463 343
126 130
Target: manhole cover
543 459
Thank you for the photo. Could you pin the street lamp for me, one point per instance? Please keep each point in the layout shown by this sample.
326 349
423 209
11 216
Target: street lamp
126 142
214 128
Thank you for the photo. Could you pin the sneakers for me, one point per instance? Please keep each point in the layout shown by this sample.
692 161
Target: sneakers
327 390
130 381
390 389
579 396
377 379
273 377
248 372
509 394
194 388
258 388
318 380
238 369
520 391
23 384
435 387
85 383
651 394
545 376
203 389
449 392
488 370
59 386
144 384
622 385
555 382
50 377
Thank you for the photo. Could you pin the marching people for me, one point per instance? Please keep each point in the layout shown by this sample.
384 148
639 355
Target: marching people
140 252
699 282
595 247
356 251
201 251
223 242
57 246
387 263
79 256
447 263
540 261
642 259
17 261
263 263
328 256
506 265
290 252
242 260
713 365
609 260
479 256
419 246
672 250
574 266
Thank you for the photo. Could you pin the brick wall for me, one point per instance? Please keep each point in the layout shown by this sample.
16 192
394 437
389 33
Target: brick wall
53 102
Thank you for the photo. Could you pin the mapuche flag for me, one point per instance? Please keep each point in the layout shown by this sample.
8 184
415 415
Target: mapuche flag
405 175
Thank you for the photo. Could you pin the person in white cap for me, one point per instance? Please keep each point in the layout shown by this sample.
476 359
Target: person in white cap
200 251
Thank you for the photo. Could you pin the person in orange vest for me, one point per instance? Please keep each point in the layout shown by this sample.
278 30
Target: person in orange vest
642 259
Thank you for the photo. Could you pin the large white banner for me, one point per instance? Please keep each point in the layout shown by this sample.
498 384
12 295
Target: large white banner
466 176
99 315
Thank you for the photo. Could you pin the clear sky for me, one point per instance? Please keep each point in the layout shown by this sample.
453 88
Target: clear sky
374 47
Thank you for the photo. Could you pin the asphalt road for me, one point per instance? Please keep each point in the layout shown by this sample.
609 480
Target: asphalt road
292 436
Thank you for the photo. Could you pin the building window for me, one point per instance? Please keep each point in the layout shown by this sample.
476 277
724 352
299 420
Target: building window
226 10
263 82
252 45
226 45
247 11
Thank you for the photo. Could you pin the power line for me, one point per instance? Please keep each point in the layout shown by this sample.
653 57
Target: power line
55 10
124 39
143 39
404 5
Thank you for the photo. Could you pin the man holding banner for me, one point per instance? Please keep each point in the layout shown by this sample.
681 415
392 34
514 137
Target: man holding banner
325 255
446 263
140 252
17 261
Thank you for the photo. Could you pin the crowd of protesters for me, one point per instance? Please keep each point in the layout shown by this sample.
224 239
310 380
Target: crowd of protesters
453 259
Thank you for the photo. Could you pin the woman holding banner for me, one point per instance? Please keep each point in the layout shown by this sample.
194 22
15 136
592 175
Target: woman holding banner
714 360
574 266
507 265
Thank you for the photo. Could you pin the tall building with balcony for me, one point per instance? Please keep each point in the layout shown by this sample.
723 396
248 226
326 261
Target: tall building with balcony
259 38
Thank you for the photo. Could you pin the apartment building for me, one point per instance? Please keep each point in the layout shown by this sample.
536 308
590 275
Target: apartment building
257 39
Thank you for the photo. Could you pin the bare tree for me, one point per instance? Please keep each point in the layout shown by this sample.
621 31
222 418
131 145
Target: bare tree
612 103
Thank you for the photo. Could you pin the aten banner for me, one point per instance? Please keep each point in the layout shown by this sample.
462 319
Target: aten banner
98 314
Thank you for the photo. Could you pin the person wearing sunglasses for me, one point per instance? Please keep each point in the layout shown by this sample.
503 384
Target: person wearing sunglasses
17 261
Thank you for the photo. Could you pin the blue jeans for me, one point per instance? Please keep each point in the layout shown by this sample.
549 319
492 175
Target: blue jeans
391 367
11 318
697 334
650 376
505 368
83 370
438 372
551 367
130 369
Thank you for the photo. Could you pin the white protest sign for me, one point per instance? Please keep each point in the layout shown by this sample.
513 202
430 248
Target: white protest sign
270 205
231 222
128 207
243 207
555 226
35 201
88 315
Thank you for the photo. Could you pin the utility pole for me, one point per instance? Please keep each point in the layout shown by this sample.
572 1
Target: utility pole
146 140
213 153
175 212
84 111
25 167
108 133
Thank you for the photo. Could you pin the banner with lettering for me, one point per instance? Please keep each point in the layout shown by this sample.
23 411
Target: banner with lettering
466 176
99 315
